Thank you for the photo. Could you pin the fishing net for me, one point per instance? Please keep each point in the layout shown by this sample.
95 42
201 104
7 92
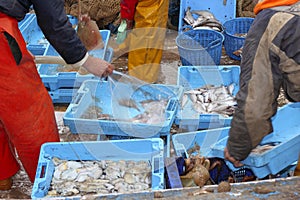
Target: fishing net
103 11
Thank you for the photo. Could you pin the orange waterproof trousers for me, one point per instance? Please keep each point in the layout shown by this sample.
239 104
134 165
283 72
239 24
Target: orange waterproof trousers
27 117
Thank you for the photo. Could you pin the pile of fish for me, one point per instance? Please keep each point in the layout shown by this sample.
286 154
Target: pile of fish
150 111
204 20
211 99
99 177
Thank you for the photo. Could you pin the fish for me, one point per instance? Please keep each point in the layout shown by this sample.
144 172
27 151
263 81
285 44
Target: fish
188 18
204 13
212 99
205 19
211 23
130 103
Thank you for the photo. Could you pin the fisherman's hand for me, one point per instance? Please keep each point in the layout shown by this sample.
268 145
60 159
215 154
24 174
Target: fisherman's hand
98 67
228 157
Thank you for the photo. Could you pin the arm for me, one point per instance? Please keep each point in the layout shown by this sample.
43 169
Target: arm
259 88
54 23
58 30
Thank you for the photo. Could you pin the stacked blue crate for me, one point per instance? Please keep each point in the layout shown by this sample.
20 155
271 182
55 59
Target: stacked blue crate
192 77
62 86
66 95
53 79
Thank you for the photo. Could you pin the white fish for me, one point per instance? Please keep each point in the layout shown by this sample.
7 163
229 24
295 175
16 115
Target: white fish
188 18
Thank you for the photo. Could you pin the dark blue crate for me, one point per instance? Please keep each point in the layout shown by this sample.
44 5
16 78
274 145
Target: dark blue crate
101 93
200 47
222 10
285 137
139 150
233 42
192 77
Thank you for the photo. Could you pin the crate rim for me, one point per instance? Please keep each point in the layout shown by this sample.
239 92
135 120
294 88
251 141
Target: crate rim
219 41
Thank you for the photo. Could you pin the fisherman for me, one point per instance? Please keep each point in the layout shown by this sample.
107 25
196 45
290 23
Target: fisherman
148 18
26 111
271 61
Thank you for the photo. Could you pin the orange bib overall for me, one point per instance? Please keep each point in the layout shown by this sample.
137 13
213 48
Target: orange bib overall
27 117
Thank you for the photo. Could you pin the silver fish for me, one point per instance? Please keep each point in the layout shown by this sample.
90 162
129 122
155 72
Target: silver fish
204 13
130 103
213 99
188 18
208 22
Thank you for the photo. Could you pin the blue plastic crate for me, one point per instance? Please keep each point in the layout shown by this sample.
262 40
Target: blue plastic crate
200 47
139 150
222 10
185 142
27 18
192 77
53 79
34 36
233 42
285 137
100 94
62 95
66 95
165 138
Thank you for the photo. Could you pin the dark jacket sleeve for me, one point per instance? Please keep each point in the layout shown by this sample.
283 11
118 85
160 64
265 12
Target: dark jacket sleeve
54 23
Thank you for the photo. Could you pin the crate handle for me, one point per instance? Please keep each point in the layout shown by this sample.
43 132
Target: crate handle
66 74
172 105
41 170
77 98
213 43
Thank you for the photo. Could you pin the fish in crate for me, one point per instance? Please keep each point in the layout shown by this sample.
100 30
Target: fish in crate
212 100
205 19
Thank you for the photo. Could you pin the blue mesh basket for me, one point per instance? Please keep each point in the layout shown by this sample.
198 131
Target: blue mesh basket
200 47
233 31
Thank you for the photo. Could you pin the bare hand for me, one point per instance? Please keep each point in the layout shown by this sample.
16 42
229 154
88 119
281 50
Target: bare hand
228 157
98 67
